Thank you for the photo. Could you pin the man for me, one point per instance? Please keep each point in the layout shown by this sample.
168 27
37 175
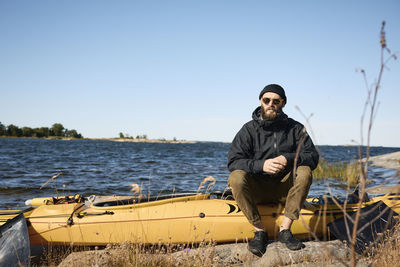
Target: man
262 158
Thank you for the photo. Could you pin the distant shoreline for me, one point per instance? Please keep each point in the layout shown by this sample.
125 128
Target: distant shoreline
116 139
142 140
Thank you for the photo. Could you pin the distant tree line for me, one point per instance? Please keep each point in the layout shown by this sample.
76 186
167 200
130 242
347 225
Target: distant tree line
127 136
57 130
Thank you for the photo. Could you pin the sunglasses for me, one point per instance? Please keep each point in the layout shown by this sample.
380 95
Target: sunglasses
274 101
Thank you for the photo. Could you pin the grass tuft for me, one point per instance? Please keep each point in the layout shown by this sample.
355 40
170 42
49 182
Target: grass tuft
388 252
346 171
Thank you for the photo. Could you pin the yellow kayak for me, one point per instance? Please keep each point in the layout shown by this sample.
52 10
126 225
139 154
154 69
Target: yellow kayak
185 219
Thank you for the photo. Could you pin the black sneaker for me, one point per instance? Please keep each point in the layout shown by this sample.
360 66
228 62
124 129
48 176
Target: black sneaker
286 237
258 244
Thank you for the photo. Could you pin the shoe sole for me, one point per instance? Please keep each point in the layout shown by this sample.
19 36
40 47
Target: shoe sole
256 252
300 246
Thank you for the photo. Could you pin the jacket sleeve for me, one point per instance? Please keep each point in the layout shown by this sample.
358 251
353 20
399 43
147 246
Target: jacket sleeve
308 154
241 154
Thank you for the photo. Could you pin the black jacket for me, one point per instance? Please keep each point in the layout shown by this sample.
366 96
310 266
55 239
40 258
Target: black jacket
259 140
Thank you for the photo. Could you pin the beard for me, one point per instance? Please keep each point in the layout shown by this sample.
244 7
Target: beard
270 113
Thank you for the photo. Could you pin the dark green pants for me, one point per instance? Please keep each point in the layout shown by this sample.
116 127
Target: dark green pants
250 190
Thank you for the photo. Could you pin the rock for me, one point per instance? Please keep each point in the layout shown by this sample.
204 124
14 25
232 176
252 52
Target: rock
223 255
86 258
361 263
314 254
113 255
394 189
388 161
276 255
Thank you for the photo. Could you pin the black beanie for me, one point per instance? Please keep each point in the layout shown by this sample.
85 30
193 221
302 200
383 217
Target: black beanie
274 88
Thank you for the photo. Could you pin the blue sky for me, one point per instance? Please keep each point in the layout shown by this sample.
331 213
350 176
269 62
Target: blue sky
193 69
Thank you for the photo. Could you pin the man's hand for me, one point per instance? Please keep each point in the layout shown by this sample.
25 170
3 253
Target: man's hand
275 165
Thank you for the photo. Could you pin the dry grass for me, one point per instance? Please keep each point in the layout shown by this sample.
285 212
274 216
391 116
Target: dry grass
347 172
128 254
388 253
54 255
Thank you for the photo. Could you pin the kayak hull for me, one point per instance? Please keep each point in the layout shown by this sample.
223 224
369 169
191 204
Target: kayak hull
182 220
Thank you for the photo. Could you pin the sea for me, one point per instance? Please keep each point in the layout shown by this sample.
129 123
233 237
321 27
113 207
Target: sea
100 167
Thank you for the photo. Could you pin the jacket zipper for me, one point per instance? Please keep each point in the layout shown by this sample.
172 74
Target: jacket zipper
275 145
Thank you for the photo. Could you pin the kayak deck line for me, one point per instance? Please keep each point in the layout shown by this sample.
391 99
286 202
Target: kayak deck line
162 219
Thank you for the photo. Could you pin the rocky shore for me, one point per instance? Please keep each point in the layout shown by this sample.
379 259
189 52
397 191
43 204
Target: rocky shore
388 161
328 253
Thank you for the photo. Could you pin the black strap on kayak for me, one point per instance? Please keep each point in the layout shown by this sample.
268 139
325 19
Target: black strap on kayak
81 215
70 220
